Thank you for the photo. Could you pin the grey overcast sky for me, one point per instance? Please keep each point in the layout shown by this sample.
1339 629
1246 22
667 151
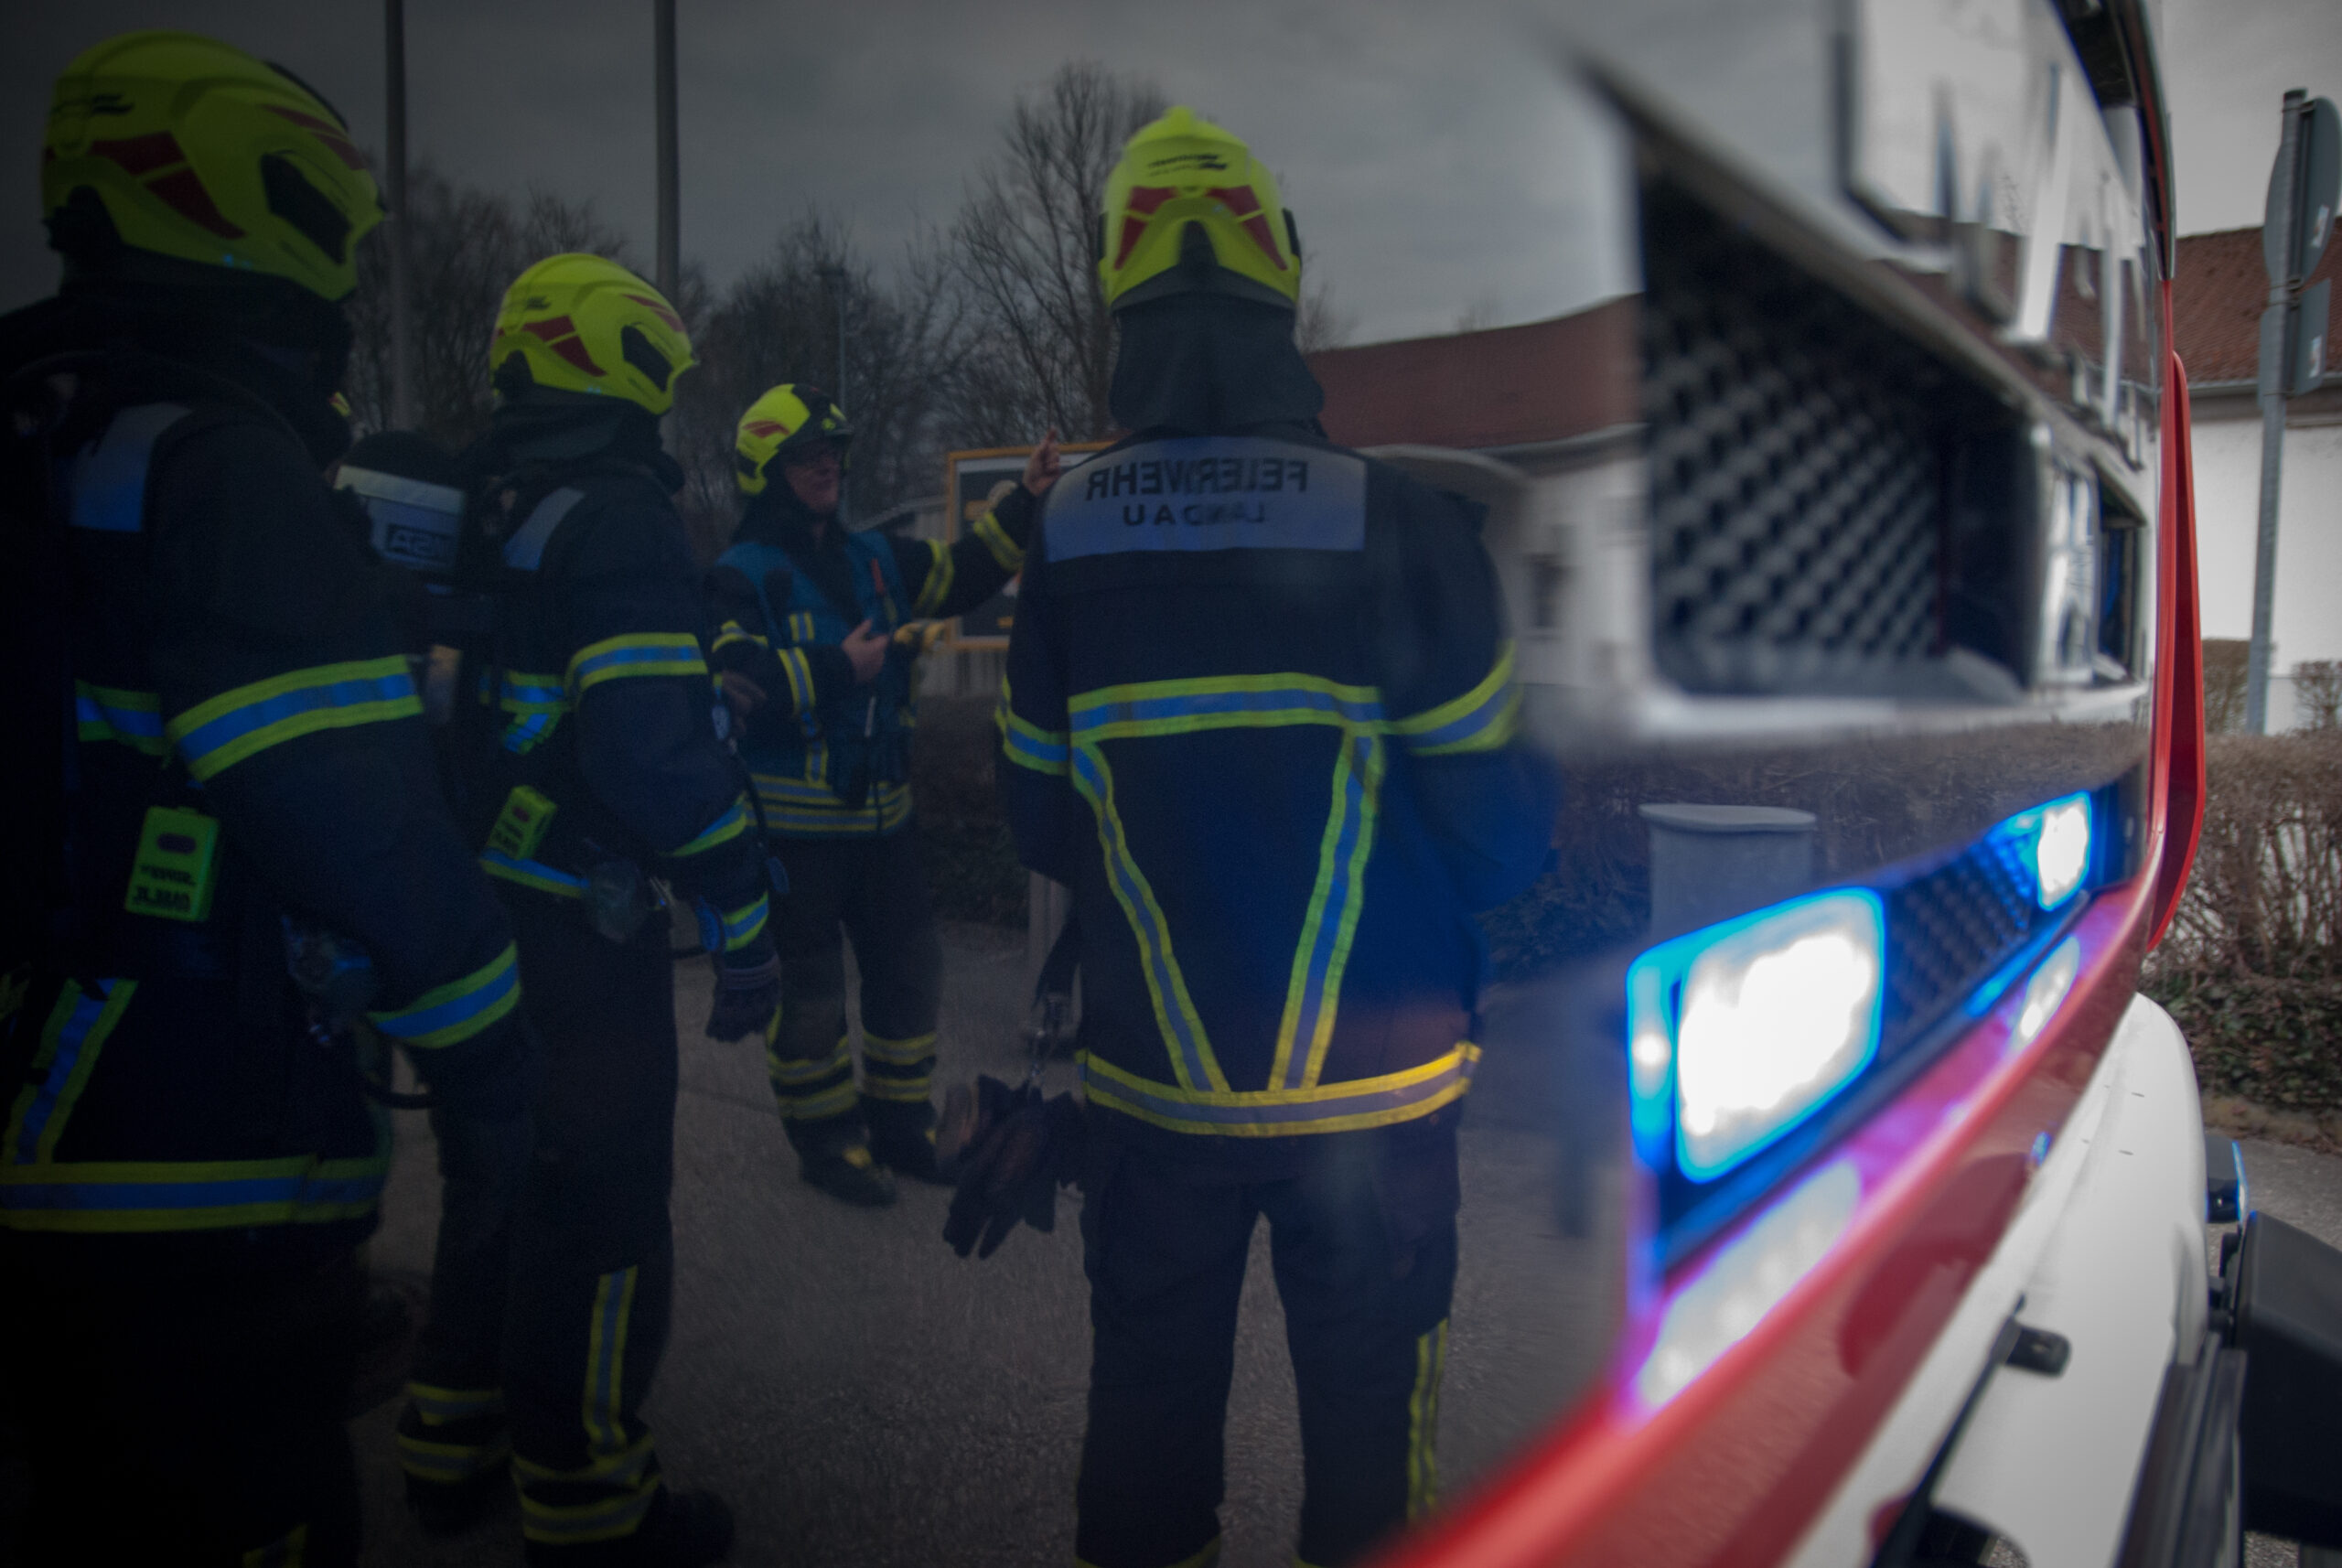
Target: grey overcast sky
1407 135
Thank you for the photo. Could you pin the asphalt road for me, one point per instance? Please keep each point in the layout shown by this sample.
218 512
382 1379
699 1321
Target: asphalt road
860 1396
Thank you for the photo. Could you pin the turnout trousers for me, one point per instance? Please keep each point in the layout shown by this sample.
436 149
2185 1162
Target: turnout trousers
872 890
1362 1234
182 1398
555 1261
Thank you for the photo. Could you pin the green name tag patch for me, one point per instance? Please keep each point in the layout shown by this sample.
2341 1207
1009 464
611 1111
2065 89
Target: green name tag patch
178 861
521 826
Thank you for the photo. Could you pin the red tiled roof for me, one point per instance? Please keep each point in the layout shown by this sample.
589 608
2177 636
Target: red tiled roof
2217 292
1501 388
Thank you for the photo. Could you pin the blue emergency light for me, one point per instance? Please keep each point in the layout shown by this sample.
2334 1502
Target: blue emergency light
1740 1031
2054 843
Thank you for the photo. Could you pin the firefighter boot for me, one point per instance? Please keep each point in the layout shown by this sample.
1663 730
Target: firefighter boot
834 1155
685 1529
902 1137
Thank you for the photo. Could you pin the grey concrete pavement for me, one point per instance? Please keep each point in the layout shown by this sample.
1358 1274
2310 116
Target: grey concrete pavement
859 1395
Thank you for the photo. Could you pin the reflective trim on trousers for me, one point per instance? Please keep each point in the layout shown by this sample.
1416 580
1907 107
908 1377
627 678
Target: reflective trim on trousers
897 1087
917 1050
438 1406
451 1464
575 1524
809 1090
1423 1422
900 1071
623 1471
1280 1113
625 1467
605 1361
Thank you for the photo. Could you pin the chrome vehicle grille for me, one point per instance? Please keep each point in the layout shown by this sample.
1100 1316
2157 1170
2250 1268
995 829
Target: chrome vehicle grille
1796 477
1948 931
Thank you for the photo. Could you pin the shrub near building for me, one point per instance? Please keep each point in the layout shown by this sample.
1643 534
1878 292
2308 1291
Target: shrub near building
2252 966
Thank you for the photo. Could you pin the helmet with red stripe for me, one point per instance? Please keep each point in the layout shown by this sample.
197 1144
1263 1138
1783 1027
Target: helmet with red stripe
185 147
1189 210
583 324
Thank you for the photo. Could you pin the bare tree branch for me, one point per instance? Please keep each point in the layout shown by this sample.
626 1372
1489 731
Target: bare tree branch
1024 244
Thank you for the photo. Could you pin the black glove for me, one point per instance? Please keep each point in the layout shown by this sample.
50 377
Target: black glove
1023 1150
747 991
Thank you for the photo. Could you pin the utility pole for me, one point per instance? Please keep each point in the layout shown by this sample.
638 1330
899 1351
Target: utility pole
2302 194
833 279
670 209
401 320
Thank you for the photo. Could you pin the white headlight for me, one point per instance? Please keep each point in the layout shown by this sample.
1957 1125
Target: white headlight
1778 1011
2061 854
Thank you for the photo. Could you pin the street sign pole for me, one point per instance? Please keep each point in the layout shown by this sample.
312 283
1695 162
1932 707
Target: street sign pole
670 262
2277 244
2303 191
394 188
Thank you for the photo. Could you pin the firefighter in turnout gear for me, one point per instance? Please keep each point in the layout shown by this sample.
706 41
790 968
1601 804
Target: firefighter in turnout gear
231 873
1260 716
810 613
592 773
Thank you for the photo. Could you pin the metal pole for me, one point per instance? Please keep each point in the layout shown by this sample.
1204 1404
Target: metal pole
833 275
2272 418
669 210
402 320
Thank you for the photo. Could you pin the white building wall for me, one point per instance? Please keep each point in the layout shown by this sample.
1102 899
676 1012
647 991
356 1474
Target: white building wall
2307 622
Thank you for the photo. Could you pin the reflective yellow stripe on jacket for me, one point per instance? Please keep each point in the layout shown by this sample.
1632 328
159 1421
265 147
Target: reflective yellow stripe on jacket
134 719
214 735
451 1014
941 570
1295 1099
617 658
1342 1107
